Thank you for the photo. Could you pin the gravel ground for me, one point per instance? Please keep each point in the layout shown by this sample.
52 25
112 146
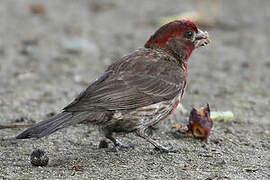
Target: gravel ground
51 50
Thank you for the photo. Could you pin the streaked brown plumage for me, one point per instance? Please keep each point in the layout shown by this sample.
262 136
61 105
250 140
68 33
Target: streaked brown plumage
135 92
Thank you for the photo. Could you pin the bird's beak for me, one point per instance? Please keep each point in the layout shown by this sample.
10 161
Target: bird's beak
201 38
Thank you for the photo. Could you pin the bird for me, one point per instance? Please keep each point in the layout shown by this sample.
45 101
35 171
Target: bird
135 92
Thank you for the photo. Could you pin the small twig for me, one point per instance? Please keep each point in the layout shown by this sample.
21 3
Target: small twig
16 126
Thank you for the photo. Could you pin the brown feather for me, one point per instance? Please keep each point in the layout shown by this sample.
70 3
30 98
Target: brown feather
135 81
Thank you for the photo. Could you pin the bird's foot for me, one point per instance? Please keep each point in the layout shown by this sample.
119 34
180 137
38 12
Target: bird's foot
142 133
163 149
118 144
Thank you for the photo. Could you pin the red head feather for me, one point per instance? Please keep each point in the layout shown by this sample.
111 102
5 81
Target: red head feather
163 34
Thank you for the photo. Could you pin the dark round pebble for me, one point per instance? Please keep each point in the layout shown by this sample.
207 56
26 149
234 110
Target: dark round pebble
39 158
103 144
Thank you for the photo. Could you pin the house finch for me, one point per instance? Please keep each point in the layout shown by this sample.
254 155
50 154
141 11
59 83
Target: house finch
137 91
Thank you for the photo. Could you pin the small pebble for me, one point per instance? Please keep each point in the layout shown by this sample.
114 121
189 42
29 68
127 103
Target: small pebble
103 144
39 158
37 9
74 46
29 50
79 46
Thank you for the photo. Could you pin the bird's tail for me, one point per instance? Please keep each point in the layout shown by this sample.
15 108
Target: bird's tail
53 124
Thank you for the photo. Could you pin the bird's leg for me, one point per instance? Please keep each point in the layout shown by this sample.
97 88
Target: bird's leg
143 133
117 143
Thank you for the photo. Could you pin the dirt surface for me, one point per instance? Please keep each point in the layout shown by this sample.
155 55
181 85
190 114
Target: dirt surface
50 52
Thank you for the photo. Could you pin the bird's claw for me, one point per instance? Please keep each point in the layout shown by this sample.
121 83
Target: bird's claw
121 145
166 149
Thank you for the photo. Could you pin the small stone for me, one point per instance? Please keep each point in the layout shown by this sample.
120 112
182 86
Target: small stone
2 50
97 6
77 168
103 144
73 46
39 158
37 9
245 65
21 119
29 50
267 64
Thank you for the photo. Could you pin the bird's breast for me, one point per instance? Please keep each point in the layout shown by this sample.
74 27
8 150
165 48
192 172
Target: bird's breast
151 115
142 117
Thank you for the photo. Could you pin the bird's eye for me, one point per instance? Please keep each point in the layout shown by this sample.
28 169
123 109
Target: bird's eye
189 34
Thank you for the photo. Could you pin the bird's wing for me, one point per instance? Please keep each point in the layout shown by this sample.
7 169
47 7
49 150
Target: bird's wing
128 85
